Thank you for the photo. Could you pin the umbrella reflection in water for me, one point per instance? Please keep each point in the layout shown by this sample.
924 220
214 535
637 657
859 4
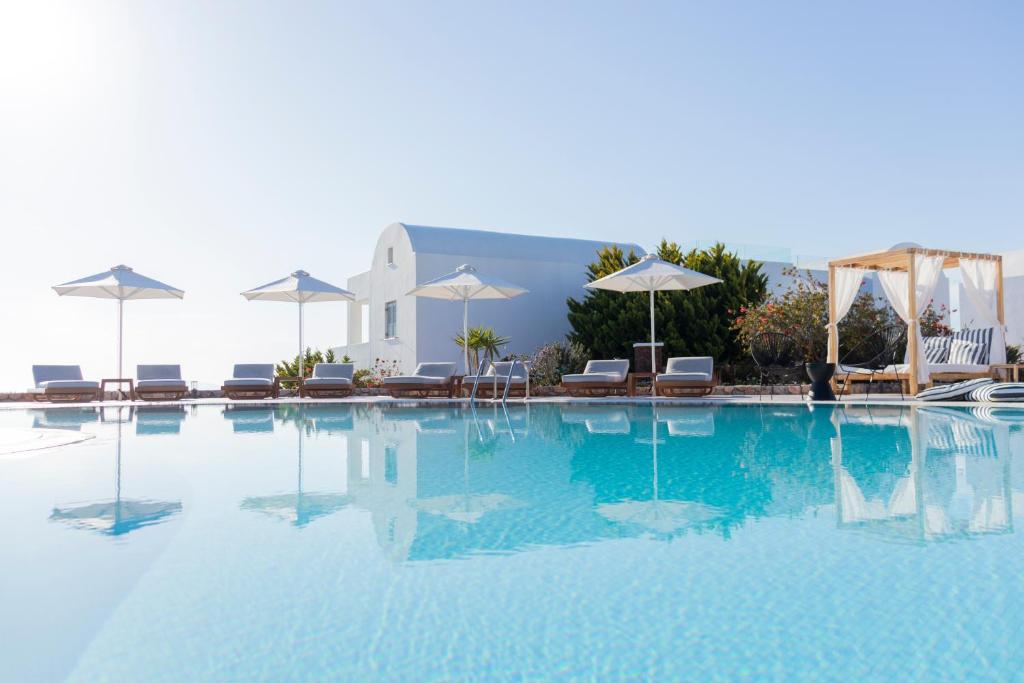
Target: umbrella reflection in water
118 516
301 507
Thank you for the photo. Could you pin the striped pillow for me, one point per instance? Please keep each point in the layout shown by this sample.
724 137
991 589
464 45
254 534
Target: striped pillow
936 349
962 352
981 336
949 392
998 391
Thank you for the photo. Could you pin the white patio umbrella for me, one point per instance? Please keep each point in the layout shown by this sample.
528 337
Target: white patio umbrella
299 288
463 284
123 284
652 274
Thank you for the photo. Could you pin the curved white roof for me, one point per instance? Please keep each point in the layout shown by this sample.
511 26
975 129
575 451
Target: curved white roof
456 241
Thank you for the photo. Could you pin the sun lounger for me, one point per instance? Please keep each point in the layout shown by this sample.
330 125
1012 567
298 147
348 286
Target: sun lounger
429 379
687 376
497 374
159 382
251 380
599 378
329 380
61 383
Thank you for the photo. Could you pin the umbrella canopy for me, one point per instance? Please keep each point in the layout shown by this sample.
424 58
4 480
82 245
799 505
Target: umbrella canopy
123 284
463 284
652 274
299 288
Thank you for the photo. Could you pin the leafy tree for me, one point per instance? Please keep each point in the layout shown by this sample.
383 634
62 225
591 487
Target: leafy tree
482 340
290 368
690 323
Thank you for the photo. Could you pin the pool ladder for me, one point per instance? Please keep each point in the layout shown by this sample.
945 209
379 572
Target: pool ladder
508 382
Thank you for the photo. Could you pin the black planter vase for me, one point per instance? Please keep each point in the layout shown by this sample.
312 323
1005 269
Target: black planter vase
821 376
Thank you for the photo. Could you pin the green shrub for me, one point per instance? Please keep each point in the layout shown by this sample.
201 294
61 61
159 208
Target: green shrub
552 361
694 323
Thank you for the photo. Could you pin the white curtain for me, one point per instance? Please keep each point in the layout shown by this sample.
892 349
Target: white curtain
847 281
979 278
927 270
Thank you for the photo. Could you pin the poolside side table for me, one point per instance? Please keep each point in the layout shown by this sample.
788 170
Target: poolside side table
1012 370
119 381
632 377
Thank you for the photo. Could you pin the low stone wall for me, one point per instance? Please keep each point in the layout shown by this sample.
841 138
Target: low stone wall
535 391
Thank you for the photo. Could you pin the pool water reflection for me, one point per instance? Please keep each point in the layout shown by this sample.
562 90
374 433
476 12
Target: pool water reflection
550 542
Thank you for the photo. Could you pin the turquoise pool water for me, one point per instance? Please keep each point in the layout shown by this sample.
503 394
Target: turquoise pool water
550 543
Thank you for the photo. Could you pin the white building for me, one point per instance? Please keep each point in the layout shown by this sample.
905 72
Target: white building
386 323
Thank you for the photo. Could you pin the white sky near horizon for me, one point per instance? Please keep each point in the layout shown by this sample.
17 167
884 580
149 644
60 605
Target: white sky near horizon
218 146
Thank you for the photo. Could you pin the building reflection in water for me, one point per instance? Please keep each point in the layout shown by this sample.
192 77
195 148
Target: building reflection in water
447 482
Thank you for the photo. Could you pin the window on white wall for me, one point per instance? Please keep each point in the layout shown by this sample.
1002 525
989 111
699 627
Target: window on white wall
390 320
391 256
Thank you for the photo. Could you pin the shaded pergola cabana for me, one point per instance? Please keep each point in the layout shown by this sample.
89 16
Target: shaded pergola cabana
909 276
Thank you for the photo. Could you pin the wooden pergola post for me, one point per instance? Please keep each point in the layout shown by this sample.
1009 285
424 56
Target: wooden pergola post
914 323
832 354
1000 311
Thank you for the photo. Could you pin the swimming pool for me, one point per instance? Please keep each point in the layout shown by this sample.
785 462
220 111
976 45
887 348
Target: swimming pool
576 542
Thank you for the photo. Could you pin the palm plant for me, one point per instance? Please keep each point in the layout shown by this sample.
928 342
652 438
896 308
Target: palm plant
290 368
482 340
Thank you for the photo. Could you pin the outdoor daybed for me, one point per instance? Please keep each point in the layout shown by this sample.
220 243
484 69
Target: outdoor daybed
599 378
62 383
251 380
159 382
329 380
497 376
687 376
429 379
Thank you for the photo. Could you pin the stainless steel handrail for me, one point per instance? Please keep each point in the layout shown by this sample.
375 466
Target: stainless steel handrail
508 380
476 381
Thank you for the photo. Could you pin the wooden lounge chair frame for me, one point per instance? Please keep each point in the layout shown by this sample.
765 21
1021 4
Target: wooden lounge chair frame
255 391
691 387
161 393
447 389
597 389
339 390
67 395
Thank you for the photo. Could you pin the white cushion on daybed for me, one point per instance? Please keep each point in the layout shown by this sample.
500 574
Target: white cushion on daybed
160 383
998 391
415 379
684 377
333 371
69 384
248 382
605 377
952 392
326 381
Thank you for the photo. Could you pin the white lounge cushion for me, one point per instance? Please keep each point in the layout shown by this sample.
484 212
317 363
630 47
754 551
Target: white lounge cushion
441 370
415 379
951 392
610 378
333 371
502 367
249 370
618 368
161 383
998 391
48 373
684 377
326 381
248 382
688 364
159 372
69 384
490 379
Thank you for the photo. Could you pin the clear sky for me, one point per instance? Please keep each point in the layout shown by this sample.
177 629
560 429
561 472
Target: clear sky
220 145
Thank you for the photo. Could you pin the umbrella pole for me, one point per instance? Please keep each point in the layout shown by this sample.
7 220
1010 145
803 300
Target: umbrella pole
300 344
654 368
465 331
120 337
